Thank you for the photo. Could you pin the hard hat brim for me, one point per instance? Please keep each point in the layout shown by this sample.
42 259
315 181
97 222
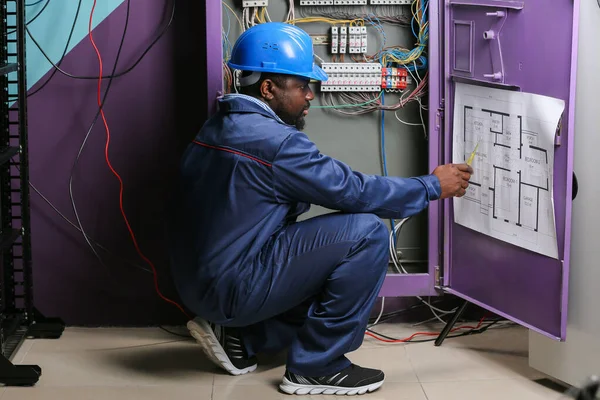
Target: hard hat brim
317 72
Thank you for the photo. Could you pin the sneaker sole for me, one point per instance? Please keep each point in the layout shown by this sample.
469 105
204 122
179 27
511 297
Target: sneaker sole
204 335
295 388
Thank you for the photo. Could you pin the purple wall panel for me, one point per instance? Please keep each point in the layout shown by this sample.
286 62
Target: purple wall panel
150 122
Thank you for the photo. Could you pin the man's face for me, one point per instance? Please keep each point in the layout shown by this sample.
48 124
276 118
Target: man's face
291 100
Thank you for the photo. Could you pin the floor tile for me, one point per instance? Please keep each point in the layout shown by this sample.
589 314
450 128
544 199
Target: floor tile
492 355
270 391
76 339
393 360
270 369
19 356
500 389
112 393
170 363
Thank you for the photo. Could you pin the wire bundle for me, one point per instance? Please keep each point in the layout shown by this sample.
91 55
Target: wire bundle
388 14
413 59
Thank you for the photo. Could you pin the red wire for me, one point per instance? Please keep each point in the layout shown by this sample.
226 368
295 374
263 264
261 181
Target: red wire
408 339
117 175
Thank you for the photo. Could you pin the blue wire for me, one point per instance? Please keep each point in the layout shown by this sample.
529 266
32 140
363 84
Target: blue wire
385 172
33 4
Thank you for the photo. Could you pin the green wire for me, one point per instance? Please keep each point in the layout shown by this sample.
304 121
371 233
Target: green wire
352 105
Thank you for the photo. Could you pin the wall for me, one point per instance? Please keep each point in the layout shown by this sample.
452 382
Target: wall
150 122
577 358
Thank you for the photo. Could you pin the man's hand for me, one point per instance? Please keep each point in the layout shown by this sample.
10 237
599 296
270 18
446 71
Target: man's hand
454 179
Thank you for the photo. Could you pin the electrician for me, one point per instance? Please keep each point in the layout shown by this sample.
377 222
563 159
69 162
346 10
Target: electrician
258 280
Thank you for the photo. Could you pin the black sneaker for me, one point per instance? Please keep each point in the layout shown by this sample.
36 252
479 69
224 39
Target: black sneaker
223 346
350 381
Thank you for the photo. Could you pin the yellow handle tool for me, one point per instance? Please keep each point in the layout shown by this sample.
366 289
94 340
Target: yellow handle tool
472 156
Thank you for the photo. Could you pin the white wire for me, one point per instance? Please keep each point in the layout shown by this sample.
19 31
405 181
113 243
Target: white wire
406 123
400 268
76 227
85 235
380 313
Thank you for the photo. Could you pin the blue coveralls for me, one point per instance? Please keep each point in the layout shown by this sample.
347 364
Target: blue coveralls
240 259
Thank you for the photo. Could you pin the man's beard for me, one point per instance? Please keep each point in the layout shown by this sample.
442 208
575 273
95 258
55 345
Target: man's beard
296 120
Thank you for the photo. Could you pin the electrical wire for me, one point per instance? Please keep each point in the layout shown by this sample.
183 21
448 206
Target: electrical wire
71 196
66 219
114 75
36 16
100 106
83 144
480 328
66 49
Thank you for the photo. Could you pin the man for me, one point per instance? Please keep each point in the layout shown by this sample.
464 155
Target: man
241 261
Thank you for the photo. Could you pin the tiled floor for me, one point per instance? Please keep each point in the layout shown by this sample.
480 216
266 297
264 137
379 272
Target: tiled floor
150 364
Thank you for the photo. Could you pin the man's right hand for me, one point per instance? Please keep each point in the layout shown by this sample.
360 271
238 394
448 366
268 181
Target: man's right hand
454 179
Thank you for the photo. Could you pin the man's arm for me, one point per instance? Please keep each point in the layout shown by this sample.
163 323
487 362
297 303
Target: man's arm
302 173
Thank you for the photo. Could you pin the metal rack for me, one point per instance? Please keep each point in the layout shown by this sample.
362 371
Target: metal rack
19 319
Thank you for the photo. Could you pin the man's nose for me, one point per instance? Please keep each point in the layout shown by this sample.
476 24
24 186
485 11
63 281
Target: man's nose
310 95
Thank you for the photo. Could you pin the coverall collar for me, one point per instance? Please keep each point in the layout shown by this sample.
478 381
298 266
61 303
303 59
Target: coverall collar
241 103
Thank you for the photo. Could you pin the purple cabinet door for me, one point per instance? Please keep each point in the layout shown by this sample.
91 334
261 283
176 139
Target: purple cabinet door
533 50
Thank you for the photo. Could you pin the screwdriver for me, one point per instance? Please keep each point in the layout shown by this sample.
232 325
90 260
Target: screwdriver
472 156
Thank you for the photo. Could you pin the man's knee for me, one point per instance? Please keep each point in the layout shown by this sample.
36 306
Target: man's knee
376 234
372 228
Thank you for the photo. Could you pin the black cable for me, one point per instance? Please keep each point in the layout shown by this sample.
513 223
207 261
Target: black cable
113 75
34 18
62 57
100 108
85 236
473 331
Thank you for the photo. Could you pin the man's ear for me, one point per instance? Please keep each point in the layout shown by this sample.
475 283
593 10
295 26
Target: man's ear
268 89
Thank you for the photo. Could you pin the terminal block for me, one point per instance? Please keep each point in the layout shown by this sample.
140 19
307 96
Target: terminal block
352 77
316 2
393 79
255 3
333 2
391 2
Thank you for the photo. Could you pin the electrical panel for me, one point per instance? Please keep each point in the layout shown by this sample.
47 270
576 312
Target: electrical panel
255 3
352 77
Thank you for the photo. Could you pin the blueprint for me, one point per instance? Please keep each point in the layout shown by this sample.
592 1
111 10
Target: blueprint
510 196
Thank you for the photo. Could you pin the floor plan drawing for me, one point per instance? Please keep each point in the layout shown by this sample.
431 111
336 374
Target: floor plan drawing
510 192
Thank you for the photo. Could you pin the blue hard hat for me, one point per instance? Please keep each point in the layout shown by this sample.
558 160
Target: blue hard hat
276 47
